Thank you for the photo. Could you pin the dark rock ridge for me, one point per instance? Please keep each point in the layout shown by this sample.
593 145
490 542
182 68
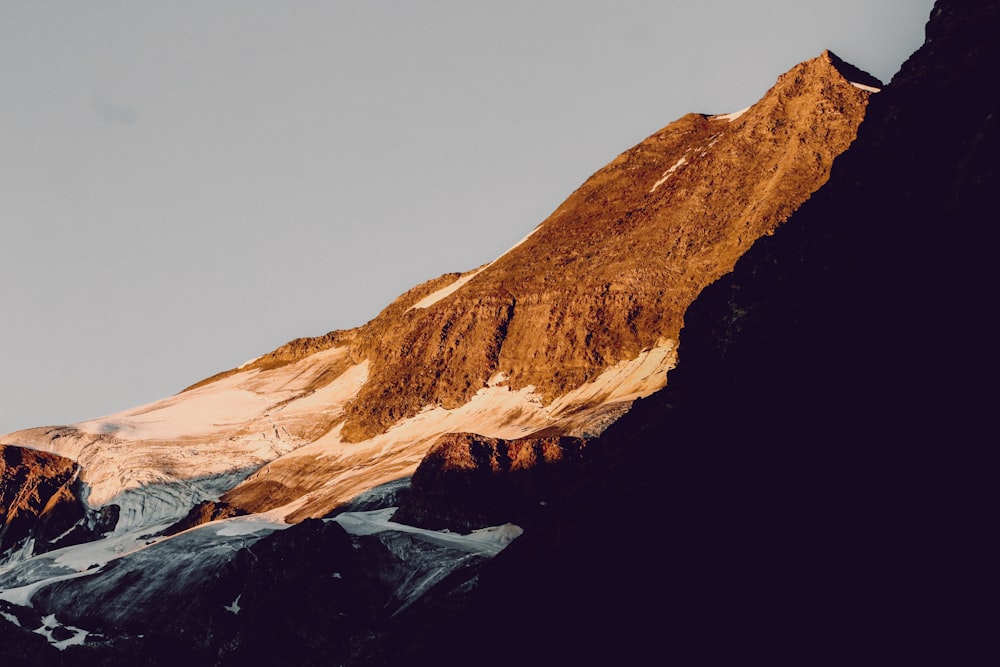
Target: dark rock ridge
469 481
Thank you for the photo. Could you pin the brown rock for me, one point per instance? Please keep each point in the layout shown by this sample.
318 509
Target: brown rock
612 270
35 488
469 481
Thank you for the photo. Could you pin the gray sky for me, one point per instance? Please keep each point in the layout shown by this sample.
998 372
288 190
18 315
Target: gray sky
187 185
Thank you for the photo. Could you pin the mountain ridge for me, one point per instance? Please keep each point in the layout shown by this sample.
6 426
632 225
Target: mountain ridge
557 335
511 372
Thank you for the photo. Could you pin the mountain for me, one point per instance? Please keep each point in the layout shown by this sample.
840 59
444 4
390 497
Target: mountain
556 336
814 485
765 503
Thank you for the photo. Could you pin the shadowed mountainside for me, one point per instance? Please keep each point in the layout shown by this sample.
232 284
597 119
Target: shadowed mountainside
809 488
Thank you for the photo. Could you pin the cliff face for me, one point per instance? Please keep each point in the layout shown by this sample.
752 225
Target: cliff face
38 498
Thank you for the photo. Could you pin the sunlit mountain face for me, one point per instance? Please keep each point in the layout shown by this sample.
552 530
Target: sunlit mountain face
653 421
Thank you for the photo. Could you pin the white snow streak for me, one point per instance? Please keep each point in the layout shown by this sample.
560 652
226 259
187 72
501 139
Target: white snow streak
668 173
489 541
862 86
731 116
244 525
434 297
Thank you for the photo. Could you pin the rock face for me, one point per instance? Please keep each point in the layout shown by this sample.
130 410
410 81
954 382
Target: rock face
469 481
612 270
38 498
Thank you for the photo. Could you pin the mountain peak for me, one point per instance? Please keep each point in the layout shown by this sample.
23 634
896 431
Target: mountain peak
850 73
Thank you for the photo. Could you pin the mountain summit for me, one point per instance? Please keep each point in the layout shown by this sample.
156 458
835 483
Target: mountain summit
513 366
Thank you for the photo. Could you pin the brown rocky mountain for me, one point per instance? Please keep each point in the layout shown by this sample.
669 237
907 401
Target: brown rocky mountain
816 484
605 279
610 272
556 337
490 388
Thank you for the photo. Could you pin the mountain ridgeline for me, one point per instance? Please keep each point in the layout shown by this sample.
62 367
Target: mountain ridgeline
350 499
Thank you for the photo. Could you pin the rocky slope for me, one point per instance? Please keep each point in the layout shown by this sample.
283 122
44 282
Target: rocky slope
555 339
42 504
582 315
33 485
816 472
557 336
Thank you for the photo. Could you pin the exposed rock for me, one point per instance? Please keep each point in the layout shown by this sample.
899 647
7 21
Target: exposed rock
468 481
204 512
38 498
612 270
604 280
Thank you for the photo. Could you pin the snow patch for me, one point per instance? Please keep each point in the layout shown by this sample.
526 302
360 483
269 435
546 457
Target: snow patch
158 460
244 525
870 89
731 116
22 595
50 624
434 297
248 362
20 581
488 541
234 608
668 173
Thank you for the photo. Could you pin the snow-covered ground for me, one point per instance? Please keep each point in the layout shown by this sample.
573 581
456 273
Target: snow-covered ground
488 541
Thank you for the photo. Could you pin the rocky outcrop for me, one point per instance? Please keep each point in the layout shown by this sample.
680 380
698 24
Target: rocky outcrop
203 512
469 481
38 498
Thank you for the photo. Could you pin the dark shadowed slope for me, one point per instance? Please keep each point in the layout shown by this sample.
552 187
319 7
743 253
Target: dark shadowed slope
809 488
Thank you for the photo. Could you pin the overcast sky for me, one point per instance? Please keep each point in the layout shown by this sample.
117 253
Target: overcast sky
187 185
